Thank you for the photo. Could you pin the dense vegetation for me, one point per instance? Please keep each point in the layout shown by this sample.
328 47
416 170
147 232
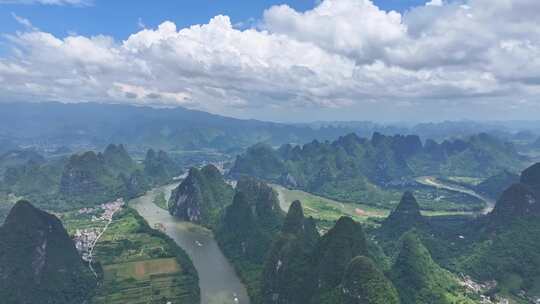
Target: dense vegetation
287 268
143 265
159 167
420 280
247 228
82 179
376 171
201 196
363 283
406 258
335 268
38 260
493 186
245 220
501 247
300 267
508 246
405 217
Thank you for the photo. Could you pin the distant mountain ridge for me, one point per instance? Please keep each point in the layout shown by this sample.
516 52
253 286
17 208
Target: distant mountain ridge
82 179
352 168
94 125
178 128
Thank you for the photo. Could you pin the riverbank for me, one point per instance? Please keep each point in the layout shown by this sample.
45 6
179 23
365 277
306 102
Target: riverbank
218 282
140 265
432 181
326 211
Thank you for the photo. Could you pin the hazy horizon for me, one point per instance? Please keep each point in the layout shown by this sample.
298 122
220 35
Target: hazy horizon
307 120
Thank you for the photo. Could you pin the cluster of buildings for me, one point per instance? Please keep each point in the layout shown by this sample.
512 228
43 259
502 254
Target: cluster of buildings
86 210
85 239
482 289
109 209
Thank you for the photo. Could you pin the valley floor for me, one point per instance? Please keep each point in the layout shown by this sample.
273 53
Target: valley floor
326 211
135 263
439 184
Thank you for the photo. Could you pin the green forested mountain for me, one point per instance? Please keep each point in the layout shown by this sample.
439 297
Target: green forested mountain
479 155
80 180
510 256
245 221
501 246
363 283
520 200
282 259
494 185
96 178
263 202
87 176
531 178
335 268
201 196
14 158
405 217
508 249
420 280
287 270
372 171
38 260
335 250
159 168
517 202
118 160
33 177
247 228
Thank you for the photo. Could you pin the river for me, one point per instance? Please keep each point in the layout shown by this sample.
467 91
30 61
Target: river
437 183
218 281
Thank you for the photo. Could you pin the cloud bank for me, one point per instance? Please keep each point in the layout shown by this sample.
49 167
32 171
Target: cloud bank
343 54
49 2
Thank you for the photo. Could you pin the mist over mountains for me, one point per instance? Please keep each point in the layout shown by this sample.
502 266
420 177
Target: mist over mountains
53 126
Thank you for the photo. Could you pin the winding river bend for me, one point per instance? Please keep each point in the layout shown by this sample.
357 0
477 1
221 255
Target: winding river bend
217 279
437 183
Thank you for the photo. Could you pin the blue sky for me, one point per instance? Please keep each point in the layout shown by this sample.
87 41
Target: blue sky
120 18
386 60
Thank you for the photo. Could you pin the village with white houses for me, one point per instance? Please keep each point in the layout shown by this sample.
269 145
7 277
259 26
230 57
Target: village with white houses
85 239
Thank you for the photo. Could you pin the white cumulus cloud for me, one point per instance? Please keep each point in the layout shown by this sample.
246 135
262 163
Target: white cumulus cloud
342 54
49 2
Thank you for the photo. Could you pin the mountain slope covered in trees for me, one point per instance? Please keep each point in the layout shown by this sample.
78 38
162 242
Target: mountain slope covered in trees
201 196
38 260
375 170
82 179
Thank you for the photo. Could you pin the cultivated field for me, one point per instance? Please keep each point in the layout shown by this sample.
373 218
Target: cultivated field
139 265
